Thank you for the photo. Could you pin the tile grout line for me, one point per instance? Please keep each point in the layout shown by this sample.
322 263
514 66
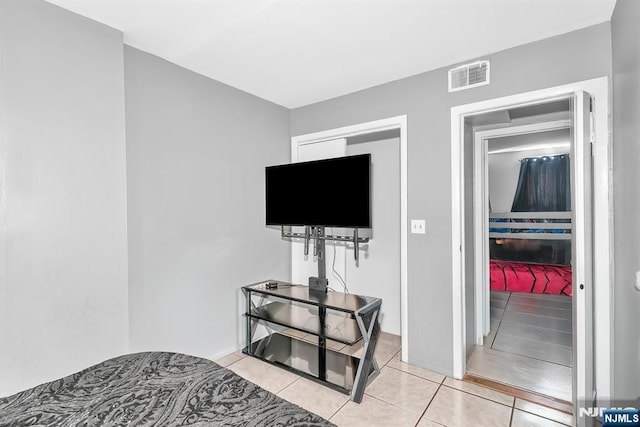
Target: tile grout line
538 339
496 334
349 400
510 352
543 417
540 415
545 316
513 410
508 298
524 395
233 363
532 358
513 405
541 316
411 373
339 409
541 329
535 339
393 404
287 386
414 375
481 397
390 404
542 304
442 383
430 401
536 306
523 313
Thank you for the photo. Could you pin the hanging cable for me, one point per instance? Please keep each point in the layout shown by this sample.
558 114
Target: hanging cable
333 267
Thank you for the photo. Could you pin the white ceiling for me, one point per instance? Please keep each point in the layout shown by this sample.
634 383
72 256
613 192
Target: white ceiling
297 52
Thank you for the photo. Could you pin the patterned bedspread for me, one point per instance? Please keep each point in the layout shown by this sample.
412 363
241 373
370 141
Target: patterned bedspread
152 389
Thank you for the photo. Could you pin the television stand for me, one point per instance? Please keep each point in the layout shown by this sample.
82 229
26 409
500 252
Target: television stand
287 309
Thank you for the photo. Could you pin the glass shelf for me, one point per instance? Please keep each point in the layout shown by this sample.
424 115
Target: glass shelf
333 300
301 357
306 319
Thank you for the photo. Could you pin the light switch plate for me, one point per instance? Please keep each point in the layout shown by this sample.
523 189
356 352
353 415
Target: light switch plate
418 226
637 281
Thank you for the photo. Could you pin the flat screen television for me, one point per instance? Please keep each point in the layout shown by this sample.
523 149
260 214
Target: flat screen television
331 193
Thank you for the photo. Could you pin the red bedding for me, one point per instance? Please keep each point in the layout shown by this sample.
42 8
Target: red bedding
534 278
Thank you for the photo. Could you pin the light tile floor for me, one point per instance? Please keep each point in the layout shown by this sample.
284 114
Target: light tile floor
530 344
402 395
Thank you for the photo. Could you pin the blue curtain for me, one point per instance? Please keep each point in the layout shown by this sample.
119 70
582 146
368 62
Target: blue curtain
543 185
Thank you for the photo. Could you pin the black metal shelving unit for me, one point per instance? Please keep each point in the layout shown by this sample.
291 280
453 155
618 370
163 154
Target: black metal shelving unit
337 316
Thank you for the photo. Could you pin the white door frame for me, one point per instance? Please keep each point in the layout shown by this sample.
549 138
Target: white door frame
599 89
399 122
481 210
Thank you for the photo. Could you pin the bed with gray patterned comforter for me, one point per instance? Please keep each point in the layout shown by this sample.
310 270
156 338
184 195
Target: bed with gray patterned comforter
152 389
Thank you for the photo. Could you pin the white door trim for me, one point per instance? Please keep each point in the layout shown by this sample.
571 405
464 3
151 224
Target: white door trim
399 122
481 209
603 253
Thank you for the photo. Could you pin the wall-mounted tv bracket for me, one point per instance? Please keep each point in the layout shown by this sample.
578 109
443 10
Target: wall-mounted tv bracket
319 238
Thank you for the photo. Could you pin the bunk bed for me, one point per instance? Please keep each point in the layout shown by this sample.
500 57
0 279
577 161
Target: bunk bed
531 252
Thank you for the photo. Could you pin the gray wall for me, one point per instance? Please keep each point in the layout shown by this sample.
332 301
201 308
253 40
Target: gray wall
63 241
196 152
571 57
626 175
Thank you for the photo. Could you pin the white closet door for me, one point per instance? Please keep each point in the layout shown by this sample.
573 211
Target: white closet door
304 267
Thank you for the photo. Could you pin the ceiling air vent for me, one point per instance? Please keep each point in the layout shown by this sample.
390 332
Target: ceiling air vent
468 76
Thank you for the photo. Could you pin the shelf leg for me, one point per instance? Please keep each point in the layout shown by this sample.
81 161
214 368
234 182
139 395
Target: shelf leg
322 345
249 333
368 367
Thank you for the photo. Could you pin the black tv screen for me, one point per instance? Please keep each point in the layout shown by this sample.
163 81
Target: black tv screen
332 193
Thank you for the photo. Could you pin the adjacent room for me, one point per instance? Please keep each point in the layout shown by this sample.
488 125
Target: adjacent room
529 343
252 212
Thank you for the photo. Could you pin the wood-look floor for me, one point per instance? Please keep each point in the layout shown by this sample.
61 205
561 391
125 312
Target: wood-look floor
530 344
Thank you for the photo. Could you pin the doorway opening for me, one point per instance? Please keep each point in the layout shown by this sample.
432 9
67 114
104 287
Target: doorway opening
590 219
522 263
